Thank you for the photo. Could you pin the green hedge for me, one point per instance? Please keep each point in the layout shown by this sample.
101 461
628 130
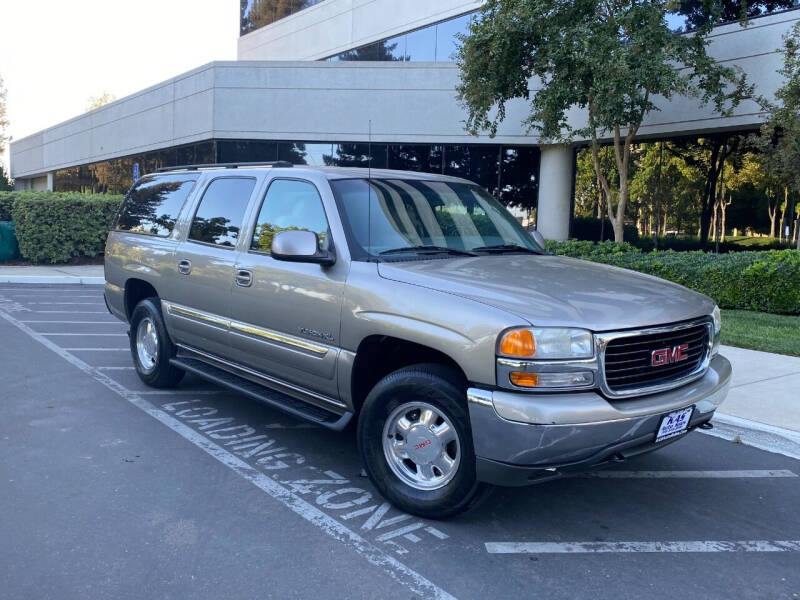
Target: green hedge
588 228
55 227
6 200
767 281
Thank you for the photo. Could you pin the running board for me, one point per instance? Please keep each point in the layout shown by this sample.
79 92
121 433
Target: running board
273 398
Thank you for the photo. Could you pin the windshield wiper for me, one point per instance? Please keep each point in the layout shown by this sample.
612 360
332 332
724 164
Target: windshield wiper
431 249
505 248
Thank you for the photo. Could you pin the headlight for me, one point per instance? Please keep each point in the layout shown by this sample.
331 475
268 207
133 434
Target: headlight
546 343
716 316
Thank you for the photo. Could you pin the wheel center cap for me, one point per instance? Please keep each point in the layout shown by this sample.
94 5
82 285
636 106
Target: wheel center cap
422 445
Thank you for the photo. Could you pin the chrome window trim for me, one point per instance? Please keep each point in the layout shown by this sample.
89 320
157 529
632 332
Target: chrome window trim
602 340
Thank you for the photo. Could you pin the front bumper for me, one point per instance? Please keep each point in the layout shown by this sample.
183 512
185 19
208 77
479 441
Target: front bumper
523 438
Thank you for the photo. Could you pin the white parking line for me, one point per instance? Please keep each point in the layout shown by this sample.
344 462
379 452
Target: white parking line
92 334
20 296
401 573
183 392
54 291
69 303
115 322
98 349
629 547
71 312
732 474
114 368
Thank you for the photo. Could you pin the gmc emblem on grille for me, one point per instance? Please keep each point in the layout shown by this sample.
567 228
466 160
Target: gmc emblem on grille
666 356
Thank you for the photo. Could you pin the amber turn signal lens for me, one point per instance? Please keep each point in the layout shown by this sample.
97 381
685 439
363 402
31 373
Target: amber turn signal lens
518 343
524 379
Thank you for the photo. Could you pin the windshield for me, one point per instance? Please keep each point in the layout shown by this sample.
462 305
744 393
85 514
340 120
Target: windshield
393 216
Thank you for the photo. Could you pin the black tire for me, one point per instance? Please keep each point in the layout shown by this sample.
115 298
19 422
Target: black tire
443 389
161 374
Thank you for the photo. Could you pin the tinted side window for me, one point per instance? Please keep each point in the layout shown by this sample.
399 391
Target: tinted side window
219 217
289 205
153 205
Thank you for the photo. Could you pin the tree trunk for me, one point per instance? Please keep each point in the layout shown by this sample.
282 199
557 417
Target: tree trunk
715 222
783 212
710 191
724 208
772 211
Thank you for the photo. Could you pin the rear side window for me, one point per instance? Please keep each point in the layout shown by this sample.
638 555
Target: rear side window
219 217
153 205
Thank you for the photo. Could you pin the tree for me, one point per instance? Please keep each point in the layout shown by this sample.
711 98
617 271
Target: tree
588 193
707 156
753 172
699 12
3 118
609 58
6 185
779 139
98 101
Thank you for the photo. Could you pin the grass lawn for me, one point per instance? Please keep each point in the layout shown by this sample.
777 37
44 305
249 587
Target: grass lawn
761 331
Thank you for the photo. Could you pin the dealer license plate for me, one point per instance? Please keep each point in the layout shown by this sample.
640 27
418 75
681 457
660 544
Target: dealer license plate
674 424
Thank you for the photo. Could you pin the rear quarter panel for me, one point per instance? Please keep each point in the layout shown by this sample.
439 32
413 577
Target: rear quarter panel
139 256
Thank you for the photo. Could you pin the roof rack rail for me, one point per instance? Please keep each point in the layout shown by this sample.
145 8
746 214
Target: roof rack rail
243 165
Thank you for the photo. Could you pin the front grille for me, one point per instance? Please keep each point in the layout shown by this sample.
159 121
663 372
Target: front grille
628 359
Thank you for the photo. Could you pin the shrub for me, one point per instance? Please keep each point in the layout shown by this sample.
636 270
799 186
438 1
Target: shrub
588 228
684 243
6 200
55 227
767 281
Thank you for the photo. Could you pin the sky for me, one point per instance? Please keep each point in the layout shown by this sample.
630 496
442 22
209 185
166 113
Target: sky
57 54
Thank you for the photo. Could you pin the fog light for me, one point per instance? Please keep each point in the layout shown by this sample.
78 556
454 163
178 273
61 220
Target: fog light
568 379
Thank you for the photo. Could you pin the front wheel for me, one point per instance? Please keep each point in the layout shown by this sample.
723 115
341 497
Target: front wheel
415 440
151 347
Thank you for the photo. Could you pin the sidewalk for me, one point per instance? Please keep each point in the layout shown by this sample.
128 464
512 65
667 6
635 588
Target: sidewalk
765 388
86 274
763 405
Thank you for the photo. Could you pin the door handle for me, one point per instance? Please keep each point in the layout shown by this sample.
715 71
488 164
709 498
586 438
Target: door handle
184 267
244 278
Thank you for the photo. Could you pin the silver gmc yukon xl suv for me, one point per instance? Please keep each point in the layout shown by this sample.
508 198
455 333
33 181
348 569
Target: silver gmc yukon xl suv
418 305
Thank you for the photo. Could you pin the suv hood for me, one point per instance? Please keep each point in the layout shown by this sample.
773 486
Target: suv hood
556 290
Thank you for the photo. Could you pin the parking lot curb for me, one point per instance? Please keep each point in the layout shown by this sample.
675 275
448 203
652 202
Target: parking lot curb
64 279
759 435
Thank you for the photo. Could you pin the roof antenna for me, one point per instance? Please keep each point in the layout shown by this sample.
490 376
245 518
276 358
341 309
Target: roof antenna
369 190
369 149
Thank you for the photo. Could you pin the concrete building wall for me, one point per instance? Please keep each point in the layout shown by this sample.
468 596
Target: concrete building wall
173 112
338 25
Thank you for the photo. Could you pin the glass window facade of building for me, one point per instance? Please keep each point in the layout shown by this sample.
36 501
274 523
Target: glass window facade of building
258 13
439 42
434 43
510 173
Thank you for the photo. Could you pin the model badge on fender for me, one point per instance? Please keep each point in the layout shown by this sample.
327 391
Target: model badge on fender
666 356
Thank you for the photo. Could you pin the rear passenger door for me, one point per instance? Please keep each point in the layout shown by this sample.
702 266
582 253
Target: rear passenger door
287 314
199 310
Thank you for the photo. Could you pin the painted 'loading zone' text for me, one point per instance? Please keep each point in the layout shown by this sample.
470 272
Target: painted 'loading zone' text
330 491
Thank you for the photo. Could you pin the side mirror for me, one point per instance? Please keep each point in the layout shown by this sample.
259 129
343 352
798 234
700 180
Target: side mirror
300 246
538 238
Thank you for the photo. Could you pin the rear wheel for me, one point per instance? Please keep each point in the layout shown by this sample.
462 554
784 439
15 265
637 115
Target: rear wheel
151 347
415 440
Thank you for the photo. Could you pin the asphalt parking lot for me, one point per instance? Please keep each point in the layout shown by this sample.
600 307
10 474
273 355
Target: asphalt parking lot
110 489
